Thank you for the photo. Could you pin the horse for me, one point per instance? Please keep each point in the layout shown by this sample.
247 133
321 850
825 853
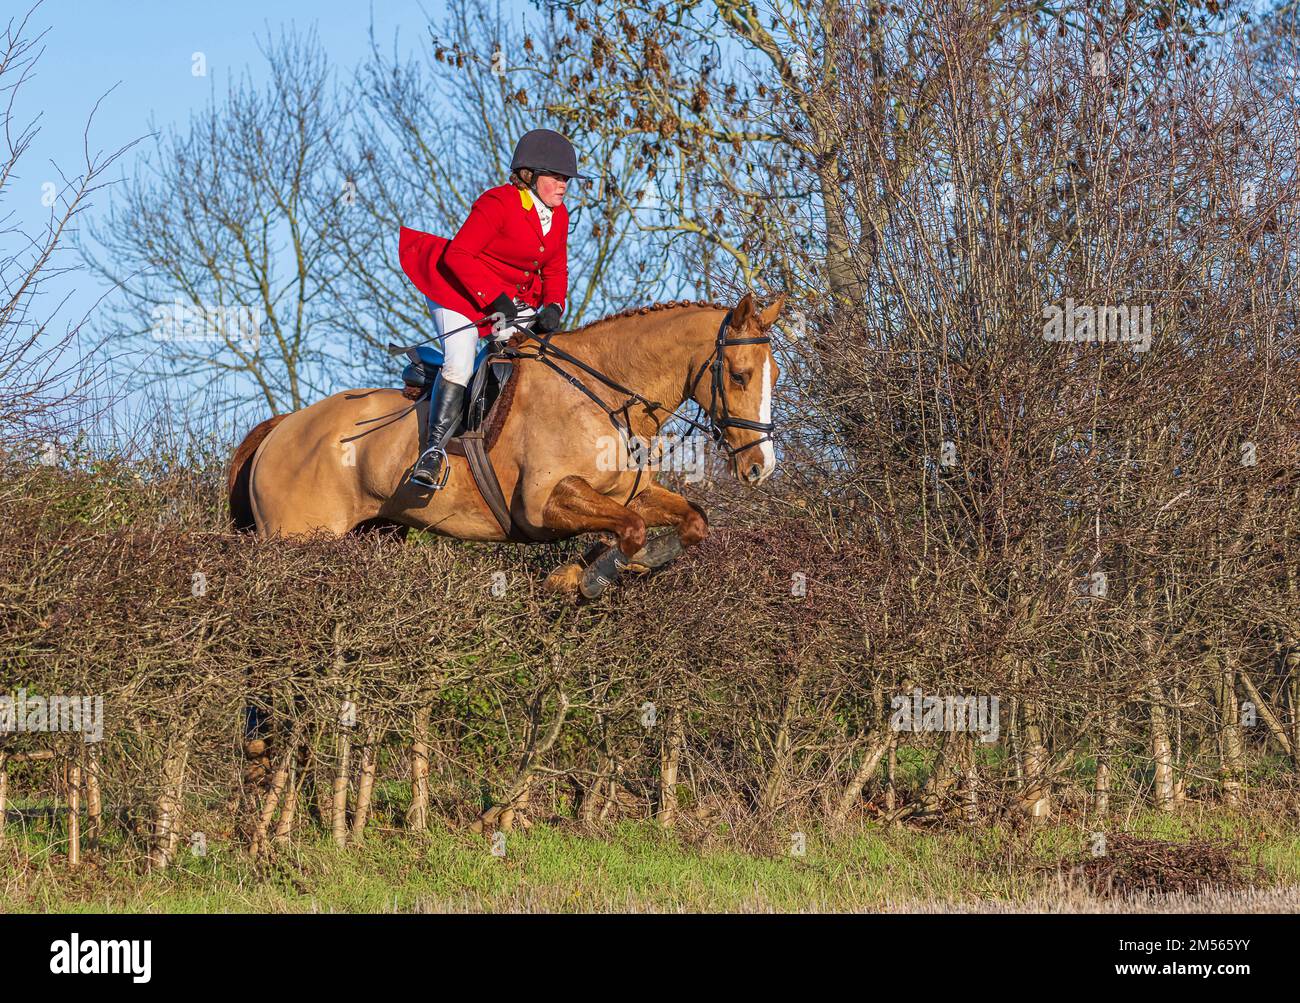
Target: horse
340 465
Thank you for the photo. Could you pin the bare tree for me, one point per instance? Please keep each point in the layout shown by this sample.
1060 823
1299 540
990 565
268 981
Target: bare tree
225 240
47 375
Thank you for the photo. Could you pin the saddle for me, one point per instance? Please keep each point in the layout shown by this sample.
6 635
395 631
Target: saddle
488 400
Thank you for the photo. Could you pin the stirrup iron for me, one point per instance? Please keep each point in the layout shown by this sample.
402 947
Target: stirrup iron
444 470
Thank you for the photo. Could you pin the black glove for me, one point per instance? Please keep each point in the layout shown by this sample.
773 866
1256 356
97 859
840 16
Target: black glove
503 305
547 319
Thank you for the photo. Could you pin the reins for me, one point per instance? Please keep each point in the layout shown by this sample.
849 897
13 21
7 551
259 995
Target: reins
718 413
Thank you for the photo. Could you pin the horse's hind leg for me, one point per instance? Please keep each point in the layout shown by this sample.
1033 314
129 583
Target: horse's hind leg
566 577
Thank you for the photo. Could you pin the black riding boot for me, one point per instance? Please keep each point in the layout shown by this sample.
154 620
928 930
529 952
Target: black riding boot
444 416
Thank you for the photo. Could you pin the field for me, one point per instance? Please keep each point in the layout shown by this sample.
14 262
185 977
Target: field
637 867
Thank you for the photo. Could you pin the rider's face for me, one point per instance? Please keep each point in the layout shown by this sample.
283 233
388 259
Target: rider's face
551 187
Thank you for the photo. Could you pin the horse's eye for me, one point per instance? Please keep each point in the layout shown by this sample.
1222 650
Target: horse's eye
740 379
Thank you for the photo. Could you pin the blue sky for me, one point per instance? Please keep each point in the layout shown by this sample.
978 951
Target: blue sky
146 49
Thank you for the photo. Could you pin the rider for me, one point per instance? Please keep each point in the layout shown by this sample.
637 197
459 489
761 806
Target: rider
505 262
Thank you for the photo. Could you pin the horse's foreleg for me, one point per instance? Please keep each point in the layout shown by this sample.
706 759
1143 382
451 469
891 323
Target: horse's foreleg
660 507
574 506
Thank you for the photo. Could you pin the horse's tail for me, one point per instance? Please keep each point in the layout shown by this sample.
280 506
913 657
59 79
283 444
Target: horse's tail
241 466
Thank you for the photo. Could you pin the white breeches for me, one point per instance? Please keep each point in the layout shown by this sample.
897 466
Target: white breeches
459 348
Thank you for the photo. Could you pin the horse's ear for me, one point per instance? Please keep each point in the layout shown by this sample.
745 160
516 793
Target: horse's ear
768 317
743 309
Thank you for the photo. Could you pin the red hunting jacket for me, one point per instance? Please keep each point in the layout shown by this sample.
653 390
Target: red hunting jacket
500 249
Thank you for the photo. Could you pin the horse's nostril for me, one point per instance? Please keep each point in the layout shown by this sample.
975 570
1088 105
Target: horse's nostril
754 471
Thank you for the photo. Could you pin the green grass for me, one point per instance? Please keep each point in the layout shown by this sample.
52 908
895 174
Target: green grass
629 867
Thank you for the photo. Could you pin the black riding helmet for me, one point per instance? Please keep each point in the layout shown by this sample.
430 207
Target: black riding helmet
546 150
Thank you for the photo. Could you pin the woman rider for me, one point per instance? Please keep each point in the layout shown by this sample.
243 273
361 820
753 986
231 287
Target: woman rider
508 260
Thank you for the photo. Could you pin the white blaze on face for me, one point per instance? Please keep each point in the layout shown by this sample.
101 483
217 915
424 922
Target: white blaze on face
765 416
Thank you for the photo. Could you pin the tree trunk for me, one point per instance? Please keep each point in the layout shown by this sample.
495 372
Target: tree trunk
891 771
94 804
1225 687
365 786
781 742
1265 713
1102 781
284 825
1161 752
852 794
969 779
339 802
167 820
1291 682
279 781
4 793
1037 798
670 749
417 816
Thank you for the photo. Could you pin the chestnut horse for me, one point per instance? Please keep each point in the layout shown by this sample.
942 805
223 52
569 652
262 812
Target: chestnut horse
341 464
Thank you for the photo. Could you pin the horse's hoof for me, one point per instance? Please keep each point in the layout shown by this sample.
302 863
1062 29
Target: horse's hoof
654 555
564 579
601 575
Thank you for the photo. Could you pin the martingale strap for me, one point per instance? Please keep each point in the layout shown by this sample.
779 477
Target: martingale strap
718 413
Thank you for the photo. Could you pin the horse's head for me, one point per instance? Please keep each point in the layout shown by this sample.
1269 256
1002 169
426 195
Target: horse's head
735 387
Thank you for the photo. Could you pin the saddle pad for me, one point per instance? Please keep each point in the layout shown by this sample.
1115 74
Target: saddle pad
496 416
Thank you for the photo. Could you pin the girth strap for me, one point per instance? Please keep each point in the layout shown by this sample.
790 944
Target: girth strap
485 477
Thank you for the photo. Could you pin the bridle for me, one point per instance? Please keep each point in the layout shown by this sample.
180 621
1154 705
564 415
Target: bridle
718 399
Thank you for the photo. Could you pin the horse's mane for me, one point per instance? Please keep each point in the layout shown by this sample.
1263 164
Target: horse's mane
632 311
